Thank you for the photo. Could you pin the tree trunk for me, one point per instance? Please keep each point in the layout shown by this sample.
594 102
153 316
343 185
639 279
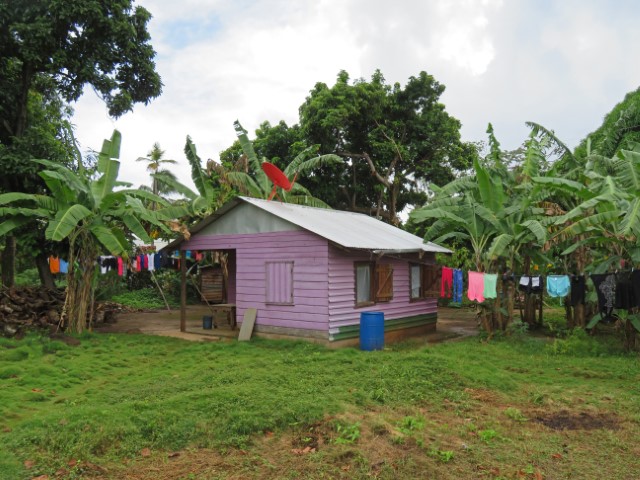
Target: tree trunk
540 321
511 299
497 305
79 287
569 313
44 272
579 315
9 261
530 309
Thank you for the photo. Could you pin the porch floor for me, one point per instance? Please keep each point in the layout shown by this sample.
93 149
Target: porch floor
453 324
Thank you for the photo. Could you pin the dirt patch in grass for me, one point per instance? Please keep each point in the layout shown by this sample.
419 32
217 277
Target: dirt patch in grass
566 420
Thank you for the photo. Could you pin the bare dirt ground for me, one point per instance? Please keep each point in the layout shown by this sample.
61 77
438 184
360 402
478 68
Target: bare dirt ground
453 324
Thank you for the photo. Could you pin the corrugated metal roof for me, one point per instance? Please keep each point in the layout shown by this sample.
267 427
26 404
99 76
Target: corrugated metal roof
348 229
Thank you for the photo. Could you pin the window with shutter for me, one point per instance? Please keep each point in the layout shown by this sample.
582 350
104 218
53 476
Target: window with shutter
384 283
279 283
431 279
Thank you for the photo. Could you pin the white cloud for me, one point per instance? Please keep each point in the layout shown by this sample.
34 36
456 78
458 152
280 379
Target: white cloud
564 66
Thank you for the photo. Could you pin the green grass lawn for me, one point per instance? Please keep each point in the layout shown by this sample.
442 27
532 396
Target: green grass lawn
134 406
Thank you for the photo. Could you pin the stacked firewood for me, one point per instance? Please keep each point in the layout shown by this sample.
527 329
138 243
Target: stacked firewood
27 308
33 308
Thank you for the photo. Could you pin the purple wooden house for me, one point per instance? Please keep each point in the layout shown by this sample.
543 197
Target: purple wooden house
311 272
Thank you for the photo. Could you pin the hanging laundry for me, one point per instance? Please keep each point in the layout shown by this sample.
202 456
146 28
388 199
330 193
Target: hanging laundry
107 263
446 283
578 290
529 284
103 268
558 285
458 285
54 265
149 262
476 286
157 262
145 262
166 261
523 284
64 266
605 284
490 285
120 266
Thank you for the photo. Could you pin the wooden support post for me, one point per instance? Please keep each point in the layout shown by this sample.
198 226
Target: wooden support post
183 290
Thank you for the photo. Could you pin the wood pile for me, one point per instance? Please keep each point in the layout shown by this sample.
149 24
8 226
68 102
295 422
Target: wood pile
39 308
27 308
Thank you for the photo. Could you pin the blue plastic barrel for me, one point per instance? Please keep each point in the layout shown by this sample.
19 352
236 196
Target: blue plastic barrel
207 322
371 331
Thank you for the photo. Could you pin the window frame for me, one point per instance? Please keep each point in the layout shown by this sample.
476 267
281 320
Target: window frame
426 291
421 286
372 292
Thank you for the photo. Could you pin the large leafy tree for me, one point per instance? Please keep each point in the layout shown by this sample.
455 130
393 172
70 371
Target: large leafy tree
279 143
620 127
57 48
48 136
74 43
394 139
87 211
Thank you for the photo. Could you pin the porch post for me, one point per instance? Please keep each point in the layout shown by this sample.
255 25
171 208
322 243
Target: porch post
183 290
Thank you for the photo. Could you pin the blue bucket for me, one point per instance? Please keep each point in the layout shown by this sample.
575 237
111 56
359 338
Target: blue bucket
371 331
207 322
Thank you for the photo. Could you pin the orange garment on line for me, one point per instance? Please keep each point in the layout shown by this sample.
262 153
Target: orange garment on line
54 264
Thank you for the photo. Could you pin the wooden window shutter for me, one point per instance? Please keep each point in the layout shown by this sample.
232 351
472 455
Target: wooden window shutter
384 283
431 280
279 283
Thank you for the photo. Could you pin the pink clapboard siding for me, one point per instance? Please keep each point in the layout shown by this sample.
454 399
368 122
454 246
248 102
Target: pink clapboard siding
253 252
342 311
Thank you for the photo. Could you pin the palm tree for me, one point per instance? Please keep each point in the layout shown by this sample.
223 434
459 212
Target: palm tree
90 214
155 161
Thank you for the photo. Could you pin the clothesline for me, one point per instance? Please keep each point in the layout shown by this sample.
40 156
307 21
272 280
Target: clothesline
620 290
148 261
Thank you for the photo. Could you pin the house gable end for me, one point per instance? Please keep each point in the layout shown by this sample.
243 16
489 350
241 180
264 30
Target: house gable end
246 218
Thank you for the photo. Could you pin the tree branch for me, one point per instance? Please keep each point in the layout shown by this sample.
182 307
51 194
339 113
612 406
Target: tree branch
374 171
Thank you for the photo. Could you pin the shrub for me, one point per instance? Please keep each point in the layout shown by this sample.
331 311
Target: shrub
145 298
27 278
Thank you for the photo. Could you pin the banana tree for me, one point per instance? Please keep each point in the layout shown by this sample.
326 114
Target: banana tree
255 183
207 197
605 217
494 212
87 211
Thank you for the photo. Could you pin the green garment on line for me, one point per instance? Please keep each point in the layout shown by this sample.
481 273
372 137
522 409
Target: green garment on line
490 284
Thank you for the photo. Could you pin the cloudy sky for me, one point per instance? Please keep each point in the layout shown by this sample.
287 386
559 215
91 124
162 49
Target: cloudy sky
564 64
